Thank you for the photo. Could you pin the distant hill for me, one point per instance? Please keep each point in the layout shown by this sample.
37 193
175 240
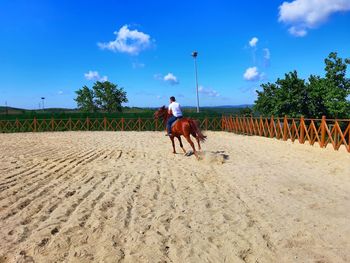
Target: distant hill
128 112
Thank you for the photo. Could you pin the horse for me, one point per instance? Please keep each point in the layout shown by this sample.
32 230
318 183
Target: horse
184 127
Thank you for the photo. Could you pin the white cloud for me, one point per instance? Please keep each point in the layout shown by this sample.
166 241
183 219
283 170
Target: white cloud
128 41
171 79
302 15
252 74
93 75
253 41
297 32
209 92
60 92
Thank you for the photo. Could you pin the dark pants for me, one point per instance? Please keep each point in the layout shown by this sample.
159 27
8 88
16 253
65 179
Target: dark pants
171 120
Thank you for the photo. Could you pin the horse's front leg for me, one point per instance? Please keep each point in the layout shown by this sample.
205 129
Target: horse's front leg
181 145
173 143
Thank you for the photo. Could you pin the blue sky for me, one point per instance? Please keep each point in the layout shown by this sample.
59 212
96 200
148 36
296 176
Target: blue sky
52 48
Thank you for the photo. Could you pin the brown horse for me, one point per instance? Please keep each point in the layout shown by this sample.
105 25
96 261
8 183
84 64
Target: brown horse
183 126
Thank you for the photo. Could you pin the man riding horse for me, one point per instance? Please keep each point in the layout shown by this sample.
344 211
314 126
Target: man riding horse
182 127
174 110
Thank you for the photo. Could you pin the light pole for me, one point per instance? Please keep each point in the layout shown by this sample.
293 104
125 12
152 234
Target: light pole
194 55
43 98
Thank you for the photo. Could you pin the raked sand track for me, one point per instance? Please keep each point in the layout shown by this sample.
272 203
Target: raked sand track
124 197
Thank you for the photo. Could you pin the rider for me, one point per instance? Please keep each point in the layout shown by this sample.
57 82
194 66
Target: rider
175 111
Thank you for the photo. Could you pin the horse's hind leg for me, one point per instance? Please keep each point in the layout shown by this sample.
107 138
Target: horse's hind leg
197 139
188 138
181 145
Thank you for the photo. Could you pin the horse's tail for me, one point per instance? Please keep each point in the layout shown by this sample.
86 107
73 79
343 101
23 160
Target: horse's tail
195 126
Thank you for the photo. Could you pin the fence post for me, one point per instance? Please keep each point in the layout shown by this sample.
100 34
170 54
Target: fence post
251 125
52 124
229 123
323 131
271 126
156 123
349 138
17 124
122 124
34 124
87 123
302 130
139 121
70 123
104 123
336 135
285 128
206 123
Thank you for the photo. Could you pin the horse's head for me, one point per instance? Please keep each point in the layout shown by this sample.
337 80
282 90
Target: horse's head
161 113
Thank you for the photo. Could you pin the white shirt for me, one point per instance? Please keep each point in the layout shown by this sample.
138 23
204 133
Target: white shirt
175 108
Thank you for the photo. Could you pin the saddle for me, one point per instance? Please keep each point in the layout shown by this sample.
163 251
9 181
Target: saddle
176 121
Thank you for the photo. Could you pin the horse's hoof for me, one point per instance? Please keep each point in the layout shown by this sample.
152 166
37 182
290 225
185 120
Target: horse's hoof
189 153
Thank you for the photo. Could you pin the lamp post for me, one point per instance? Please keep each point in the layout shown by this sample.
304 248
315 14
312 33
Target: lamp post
43 98
194 55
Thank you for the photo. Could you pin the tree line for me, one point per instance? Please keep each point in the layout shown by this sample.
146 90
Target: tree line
313 98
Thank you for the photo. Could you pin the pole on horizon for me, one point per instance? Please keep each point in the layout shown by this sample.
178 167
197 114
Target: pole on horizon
194 55
43 98
6 108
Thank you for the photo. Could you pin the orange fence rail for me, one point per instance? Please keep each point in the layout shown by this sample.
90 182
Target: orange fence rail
322 131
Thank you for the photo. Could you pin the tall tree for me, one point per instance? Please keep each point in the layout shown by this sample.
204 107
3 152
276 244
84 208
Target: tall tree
292 96
338 86
267 99
288 96
108 96
318 92
85 99
104 96
319 96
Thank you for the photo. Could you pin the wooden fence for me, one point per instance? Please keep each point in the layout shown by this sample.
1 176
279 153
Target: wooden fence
96 124
322 131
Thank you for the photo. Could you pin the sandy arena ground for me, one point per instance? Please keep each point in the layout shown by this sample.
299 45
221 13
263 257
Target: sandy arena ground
124 197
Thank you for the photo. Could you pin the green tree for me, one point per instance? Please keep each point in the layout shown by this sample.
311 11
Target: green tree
294 97
338 86
266 102
108 96
85 99
287 96
104 96
318 91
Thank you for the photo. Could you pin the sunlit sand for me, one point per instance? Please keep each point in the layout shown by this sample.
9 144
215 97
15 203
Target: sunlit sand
124 197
